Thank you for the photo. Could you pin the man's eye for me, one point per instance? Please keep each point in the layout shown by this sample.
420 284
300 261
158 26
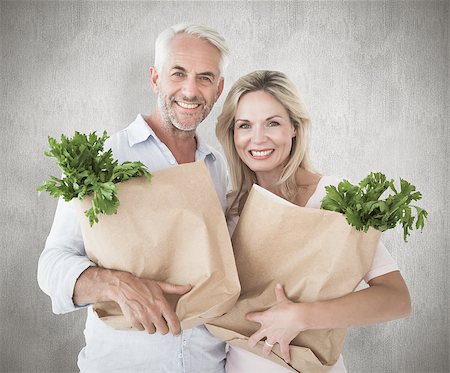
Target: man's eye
206 78
178 74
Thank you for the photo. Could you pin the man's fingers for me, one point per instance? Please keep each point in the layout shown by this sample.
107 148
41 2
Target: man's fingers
137 324
161 325
141 321
171 319
174 289
150 328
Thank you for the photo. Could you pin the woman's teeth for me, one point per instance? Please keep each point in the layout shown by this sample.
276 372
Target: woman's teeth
261 153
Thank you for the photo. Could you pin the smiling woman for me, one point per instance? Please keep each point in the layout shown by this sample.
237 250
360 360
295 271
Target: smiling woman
264 128
263 135
264 113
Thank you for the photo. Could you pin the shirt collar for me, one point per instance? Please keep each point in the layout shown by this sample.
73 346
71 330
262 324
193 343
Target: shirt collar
203 148
139 131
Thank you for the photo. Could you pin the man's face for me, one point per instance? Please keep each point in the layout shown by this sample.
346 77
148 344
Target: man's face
189 83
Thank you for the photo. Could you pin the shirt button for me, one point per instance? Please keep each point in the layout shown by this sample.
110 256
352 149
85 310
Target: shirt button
184 343
172 161
180 356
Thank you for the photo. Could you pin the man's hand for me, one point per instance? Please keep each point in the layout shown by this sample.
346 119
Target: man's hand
142 301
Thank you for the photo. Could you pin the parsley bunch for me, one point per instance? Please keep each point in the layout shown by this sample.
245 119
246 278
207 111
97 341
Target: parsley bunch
363 207
88 170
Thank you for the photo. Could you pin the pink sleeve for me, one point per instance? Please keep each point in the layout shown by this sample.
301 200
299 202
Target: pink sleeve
382 263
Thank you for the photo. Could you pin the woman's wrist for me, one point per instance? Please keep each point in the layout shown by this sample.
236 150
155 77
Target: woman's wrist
307 315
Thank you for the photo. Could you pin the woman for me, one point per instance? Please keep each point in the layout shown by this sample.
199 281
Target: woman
264 130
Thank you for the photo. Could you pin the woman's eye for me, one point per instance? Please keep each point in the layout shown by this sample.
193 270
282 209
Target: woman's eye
274 124
243 126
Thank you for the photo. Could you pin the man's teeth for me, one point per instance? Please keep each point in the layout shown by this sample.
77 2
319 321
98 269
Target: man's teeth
187 106
262 153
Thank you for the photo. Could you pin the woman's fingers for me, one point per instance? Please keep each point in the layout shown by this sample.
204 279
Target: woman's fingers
254 316
267 347
284 348
256 337
280 294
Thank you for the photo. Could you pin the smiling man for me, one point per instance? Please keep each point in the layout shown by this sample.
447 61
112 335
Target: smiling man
188 79
188 85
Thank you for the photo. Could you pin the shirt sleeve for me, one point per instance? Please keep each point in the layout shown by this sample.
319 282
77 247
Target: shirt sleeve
63 259
382 263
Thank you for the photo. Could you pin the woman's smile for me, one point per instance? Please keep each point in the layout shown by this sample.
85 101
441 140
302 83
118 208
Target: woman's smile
261 154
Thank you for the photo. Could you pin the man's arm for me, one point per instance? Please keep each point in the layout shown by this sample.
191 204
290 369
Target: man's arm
72 280
63 259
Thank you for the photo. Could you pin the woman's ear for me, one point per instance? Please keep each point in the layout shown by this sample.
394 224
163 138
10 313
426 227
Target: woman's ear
294 131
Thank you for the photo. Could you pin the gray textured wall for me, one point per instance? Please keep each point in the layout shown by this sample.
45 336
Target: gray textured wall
375 76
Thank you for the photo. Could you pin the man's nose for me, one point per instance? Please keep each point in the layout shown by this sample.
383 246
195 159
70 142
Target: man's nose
190 87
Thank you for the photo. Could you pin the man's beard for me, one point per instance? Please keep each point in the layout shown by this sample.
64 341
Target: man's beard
168 116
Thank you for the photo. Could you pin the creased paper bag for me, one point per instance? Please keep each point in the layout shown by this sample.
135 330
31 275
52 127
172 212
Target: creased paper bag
314 253
172 229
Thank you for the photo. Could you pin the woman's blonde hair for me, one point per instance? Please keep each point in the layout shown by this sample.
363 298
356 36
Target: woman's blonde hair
281 88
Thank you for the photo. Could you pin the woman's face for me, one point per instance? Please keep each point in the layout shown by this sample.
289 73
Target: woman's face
263 133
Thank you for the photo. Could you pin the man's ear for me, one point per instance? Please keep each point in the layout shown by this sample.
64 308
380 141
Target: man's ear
154 78
220 88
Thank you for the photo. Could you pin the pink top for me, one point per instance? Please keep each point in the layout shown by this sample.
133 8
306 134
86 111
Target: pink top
239 360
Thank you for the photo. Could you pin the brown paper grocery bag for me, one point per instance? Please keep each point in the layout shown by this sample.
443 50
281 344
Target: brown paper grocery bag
314 253
172 229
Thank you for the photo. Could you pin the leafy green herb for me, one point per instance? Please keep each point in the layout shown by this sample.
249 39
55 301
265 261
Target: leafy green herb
88 170
363 207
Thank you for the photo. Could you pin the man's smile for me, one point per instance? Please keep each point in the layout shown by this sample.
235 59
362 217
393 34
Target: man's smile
186 105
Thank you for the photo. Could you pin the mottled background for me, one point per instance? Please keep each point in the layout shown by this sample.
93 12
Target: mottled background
375 76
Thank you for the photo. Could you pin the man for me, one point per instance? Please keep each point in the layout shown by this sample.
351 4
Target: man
187 77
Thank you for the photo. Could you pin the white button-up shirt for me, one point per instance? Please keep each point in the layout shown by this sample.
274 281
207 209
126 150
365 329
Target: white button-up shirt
64 259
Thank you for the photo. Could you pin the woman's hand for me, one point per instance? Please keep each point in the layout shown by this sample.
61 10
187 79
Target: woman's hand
386 298
279 324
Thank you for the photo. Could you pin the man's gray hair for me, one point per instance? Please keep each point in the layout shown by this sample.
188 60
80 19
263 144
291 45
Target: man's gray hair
203 32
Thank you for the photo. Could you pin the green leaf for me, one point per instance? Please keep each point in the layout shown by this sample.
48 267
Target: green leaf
89 170
363 207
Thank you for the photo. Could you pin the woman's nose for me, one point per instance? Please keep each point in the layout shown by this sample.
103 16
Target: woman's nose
259 134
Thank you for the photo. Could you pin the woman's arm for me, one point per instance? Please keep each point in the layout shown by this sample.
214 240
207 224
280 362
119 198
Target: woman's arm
386 298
